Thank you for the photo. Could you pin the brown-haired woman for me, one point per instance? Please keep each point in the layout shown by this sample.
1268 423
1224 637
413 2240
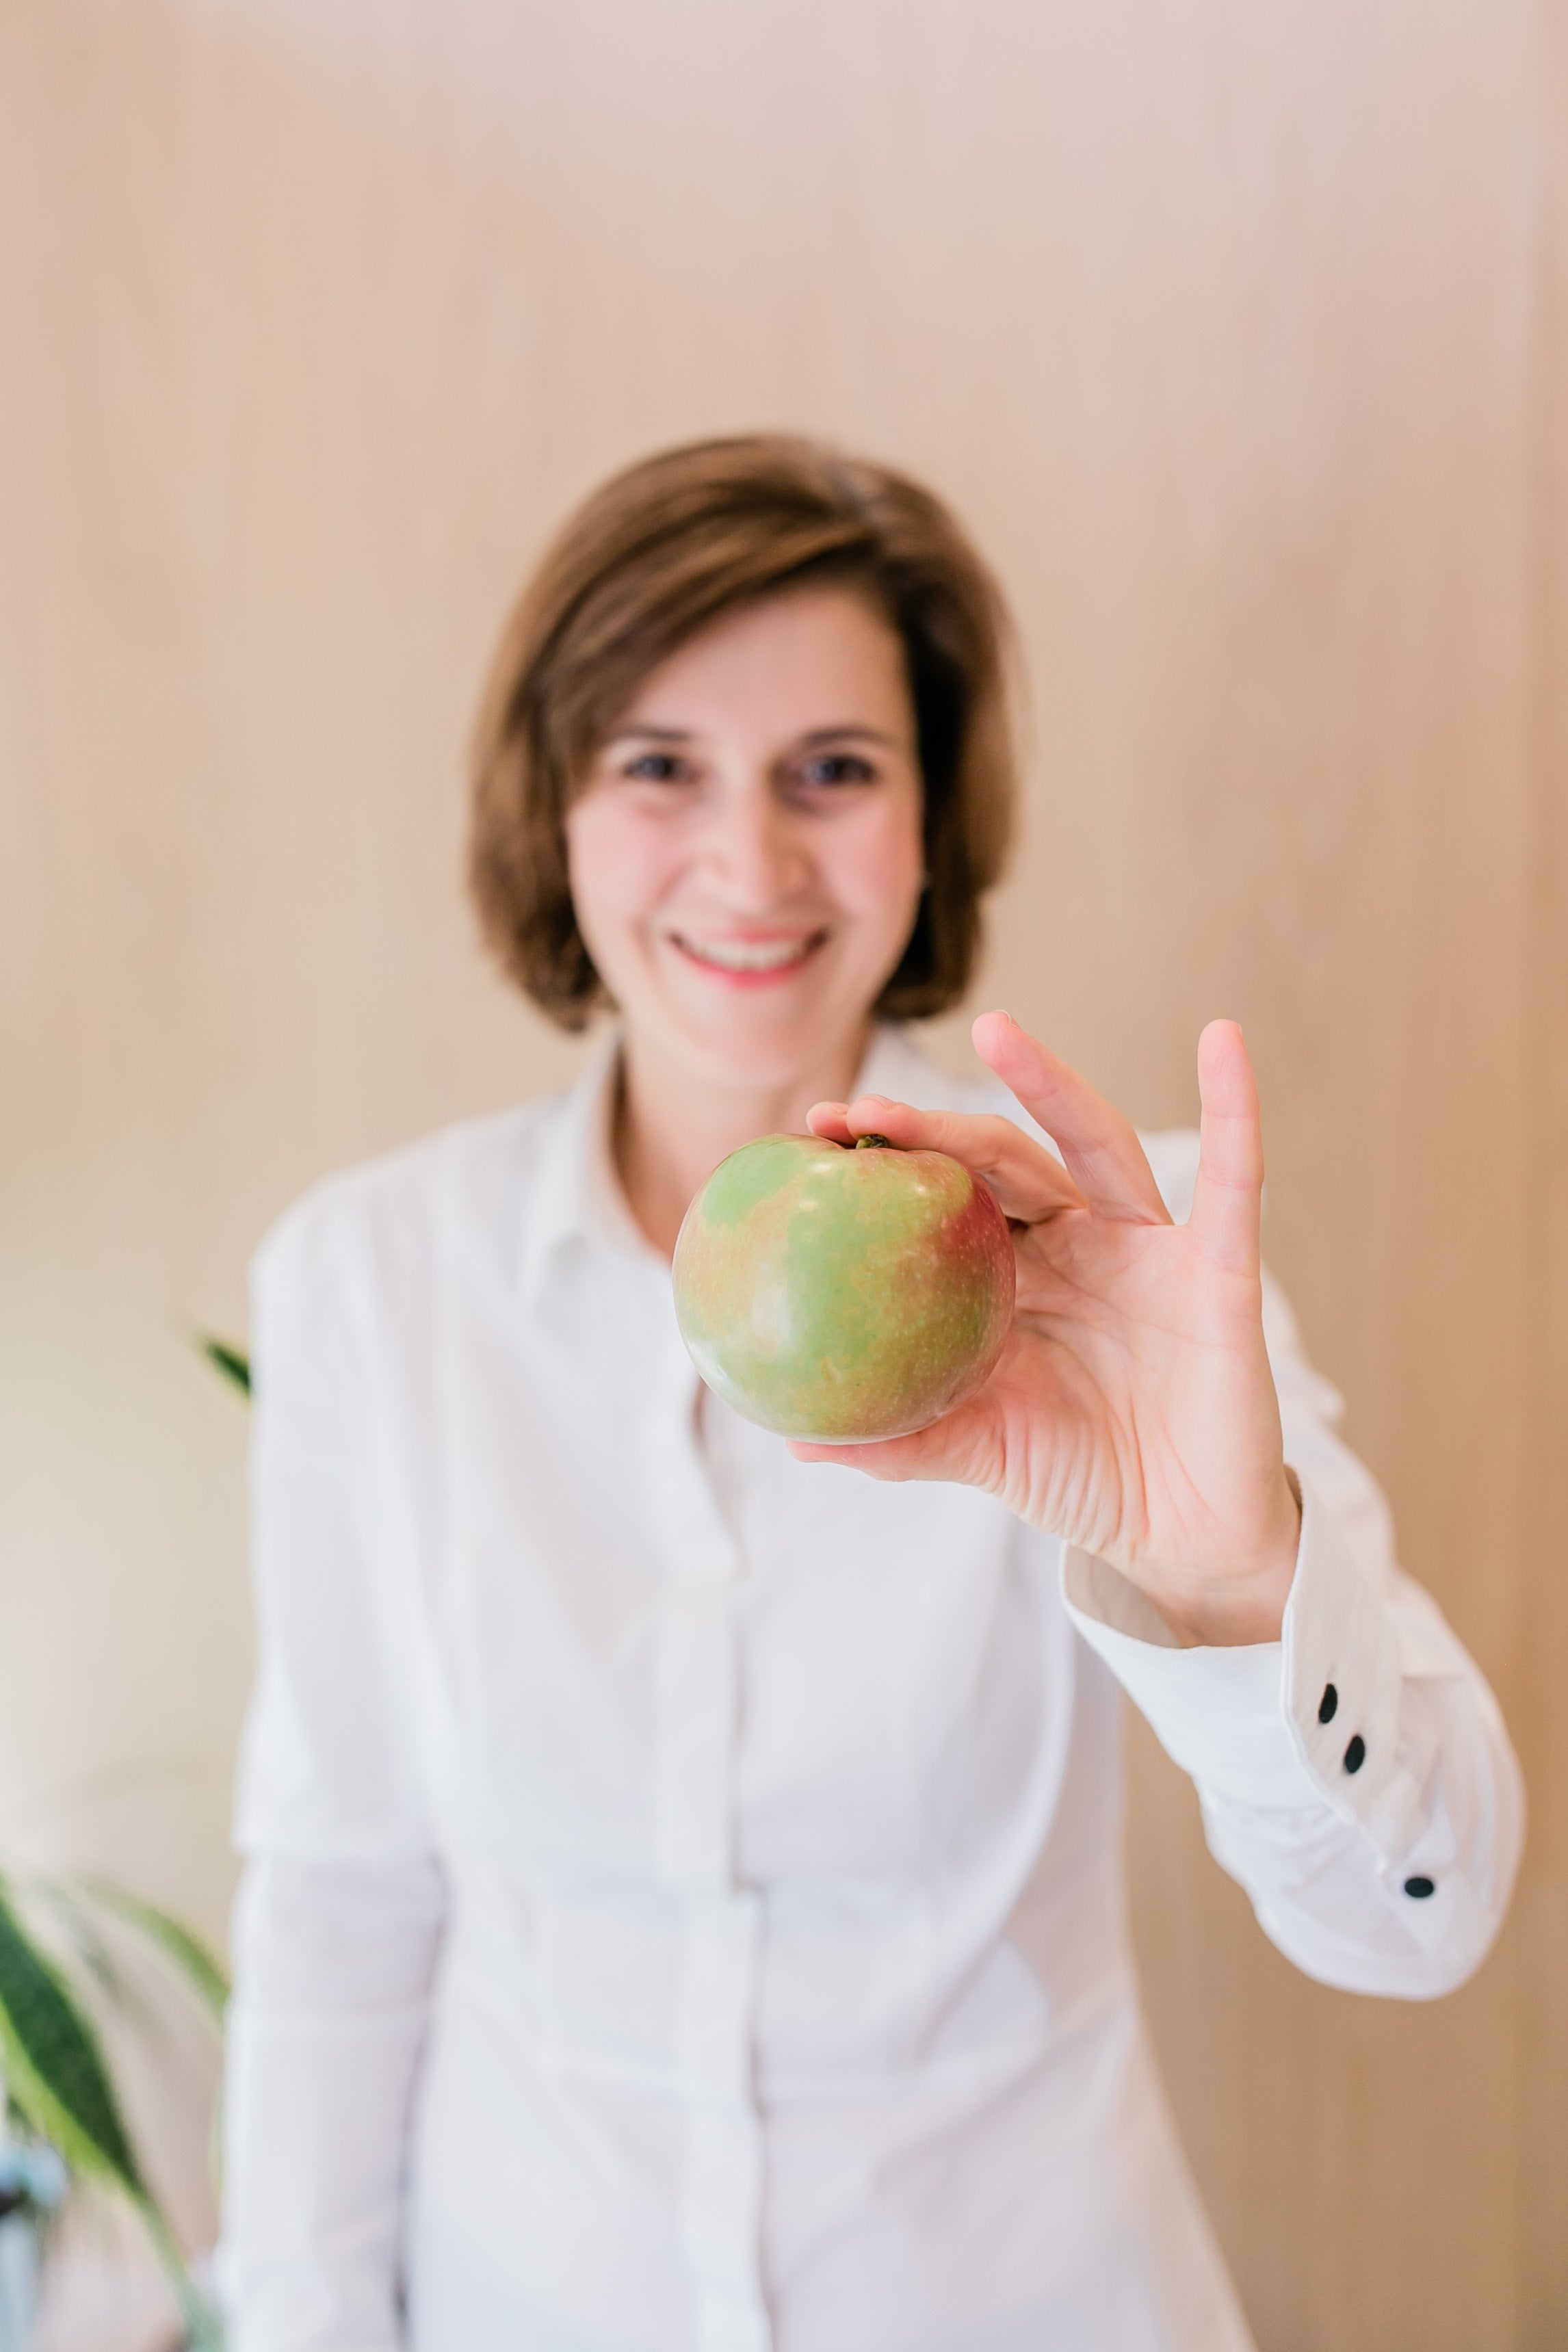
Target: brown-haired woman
683 1908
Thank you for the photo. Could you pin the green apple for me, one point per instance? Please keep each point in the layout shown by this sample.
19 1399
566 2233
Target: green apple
842 1295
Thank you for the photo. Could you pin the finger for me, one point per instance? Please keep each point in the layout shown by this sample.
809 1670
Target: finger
1100 1147
954 1449
1228 1203
891 1458
829 1119
1028 1182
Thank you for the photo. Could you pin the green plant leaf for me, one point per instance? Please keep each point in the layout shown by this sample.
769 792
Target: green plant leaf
203 2328
56 2075
89 1950
232 1363
194 1959
53 2065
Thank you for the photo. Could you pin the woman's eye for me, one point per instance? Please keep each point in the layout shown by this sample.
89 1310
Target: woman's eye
838 767
656 768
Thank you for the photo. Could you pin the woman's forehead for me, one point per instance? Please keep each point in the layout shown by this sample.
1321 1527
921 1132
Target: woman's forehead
808 659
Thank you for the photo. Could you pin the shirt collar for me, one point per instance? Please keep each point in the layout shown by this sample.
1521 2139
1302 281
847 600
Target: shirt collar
577 1196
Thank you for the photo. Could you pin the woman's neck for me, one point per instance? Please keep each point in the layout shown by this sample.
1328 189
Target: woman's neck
673 1125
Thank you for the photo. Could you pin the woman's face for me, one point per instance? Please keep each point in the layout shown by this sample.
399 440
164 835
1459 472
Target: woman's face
745 857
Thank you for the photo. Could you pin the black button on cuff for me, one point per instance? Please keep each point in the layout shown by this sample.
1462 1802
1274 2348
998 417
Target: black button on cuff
1355 1754
1327 1703
1420 1888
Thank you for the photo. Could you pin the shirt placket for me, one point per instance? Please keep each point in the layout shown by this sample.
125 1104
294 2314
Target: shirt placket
715 2005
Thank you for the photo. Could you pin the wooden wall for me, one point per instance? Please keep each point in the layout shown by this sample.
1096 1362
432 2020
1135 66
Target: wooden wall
1240 335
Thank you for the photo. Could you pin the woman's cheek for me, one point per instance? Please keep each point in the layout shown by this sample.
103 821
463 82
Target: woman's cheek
621 862
878 864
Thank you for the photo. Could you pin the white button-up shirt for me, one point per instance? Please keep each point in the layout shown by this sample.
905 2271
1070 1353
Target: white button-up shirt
683 1907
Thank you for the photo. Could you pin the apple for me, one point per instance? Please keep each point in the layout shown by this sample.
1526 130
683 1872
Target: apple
842 1295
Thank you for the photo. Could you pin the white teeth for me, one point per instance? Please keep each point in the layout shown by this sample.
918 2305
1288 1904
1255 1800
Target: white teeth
746 955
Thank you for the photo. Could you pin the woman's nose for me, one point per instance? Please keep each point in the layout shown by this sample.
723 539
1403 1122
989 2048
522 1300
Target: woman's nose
753 848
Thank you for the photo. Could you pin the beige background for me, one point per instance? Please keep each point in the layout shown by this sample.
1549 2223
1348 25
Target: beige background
1236 330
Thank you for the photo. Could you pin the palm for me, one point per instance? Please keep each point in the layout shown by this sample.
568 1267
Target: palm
1132 1412
1123 1414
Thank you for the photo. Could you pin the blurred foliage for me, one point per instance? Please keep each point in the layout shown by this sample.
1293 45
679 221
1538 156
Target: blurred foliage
61 2104
232 1363
57 2080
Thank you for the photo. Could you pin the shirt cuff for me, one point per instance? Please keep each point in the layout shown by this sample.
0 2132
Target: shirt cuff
1310 1717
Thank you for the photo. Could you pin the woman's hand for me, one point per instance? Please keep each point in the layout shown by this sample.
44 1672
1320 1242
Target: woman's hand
1132 1412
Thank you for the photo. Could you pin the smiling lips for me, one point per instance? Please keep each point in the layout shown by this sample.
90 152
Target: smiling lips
750 963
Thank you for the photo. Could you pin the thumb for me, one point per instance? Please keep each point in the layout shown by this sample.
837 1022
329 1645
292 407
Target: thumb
1227 1200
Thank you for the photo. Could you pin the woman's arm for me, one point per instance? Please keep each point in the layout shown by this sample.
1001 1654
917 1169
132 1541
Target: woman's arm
332 1969
1392 1877
338 1921
1229 1559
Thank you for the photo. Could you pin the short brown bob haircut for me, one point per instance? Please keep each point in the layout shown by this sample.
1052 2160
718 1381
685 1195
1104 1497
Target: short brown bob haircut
655 556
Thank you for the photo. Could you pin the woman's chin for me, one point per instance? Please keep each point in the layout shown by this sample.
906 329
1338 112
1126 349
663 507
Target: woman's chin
759 1039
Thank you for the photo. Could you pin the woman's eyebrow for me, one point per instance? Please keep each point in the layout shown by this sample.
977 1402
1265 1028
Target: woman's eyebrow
855 727
643 731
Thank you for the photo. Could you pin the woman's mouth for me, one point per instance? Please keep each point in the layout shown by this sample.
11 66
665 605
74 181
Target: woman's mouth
749 962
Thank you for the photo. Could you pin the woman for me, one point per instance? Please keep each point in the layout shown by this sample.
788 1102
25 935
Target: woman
683 1904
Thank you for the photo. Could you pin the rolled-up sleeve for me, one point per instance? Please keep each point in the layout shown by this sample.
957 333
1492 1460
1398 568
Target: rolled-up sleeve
338 1920
1355 1776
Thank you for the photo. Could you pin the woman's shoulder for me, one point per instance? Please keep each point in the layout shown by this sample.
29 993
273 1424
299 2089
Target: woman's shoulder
898 1066
472 1176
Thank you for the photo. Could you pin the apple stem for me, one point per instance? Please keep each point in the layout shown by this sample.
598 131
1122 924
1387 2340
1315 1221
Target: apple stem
872 1143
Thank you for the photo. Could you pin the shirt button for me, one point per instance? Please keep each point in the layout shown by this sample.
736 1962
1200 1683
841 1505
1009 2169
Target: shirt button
1355 1754
1327 1703
1420 1887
